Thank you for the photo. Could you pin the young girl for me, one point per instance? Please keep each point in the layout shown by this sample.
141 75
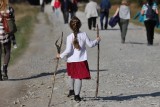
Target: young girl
77 65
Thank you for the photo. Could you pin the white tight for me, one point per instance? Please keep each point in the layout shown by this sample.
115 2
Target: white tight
75 84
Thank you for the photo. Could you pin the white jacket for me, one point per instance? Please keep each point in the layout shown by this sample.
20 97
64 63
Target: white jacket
91 9
75 55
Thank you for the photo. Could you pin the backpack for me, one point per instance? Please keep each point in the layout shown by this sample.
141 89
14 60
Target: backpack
114 20
150 14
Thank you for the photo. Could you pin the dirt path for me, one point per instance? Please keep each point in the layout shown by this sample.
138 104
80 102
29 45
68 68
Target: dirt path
129 73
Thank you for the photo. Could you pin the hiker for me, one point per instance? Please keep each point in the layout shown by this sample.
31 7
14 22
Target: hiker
65 8
141 18
91 11
150 20
124 13
42 4
76 53
5 39
74 8
57 6
105 5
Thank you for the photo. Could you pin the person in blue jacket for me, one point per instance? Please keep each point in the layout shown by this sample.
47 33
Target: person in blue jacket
105 5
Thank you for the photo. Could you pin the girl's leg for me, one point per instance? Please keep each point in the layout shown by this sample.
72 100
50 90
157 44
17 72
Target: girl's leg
77 86
71 83
77 89
71 86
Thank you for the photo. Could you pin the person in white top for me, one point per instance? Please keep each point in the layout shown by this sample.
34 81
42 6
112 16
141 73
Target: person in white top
77 65
42 4
91 11
124 14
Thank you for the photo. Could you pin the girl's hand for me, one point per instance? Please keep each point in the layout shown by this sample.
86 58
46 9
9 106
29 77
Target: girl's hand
98 39
58 56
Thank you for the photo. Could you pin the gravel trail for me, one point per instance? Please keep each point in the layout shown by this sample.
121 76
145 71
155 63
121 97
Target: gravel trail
129 73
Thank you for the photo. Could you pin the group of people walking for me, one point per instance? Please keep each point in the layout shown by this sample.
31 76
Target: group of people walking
76 53
91 11
124 13
68 8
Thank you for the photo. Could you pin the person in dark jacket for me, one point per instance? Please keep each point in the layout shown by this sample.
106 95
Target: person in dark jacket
149 23
66 8
105 5
74 8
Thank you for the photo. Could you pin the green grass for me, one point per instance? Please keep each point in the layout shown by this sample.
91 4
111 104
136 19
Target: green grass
25 27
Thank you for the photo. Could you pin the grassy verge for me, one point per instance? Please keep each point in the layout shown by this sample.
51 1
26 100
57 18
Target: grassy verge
25 19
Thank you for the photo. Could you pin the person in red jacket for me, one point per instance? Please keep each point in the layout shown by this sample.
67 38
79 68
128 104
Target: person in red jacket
57 5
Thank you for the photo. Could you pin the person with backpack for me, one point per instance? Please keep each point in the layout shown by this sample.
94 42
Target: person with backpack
105 5
150 10
5 38
76 53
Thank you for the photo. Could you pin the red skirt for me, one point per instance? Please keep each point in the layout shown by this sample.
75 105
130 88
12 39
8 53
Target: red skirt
78 70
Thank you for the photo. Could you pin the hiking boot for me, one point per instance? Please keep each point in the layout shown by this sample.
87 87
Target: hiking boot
4 73
77 98
1 76
71 93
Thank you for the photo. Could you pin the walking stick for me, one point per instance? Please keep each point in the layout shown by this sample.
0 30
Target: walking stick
54 76
98 51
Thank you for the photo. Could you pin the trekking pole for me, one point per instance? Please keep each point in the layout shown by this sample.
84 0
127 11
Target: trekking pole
98 51
57 63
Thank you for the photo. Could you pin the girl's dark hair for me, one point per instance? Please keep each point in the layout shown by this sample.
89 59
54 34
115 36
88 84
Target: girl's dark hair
75 25
150 2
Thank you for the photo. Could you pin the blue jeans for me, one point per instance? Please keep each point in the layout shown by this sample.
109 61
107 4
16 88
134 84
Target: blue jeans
102 16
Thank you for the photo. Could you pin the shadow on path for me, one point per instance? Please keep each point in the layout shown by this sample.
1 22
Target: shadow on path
99 70
39 75
123 98
137 43
128 29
